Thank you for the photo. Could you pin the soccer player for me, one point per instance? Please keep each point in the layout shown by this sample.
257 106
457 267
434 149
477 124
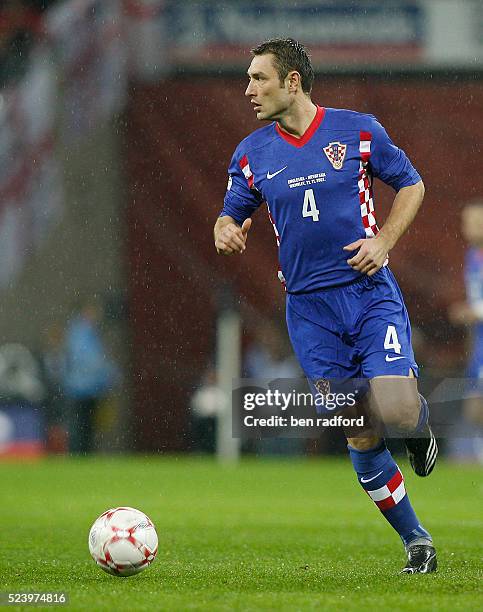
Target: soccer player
314 168
471 312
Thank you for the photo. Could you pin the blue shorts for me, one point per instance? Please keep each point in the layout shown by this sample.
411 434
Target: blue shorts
361 330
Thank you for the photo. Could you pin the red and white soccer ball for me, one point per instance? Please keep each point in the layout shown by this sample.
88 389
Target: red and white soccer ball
123 541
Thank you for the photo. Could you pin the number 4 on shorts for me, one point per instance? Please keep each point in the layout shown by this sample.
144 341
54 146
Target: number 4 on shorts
391 341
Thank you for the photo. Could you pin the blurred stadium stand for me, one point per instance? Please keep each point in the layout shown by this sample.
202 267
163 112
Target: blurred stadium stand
116 133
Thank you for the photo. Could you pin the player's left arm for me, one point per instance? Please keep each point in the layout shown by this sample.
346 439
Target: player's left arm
373 251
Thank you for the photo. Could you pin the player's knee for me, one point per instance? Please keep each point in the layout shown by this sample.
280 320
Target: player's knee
363 444
410 415
402 415
396 403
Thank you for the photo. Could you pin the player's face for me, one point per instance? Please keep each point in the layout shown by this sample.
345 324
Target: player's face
472 225
270 98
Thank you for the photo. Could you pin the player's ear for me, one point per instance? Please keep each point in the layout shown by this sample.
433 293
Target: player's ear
294 81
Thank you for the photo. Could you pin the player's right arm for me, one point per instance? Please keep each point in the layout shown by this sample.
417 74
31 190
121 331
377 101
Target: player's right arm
229 236
391 165
241 200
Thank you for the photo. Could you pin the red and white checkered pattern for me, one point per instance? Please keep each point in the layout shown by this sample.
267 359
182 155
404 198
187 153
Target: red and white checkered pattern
367 203
390 494
281 277
365 190
365 146
245 167
277 235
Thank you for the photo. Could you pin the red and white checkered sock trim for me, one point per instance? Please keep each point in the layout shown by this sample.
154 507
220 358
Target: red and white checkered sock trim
390 494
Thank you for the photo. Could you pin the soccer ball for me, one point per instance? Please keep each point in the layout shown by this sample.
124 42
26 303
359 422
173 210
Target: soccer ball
123 541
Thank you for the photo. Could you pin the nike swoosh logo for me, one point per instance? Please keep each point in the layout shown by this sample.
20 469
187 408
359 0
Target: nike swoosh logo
270 176
373 478
389 358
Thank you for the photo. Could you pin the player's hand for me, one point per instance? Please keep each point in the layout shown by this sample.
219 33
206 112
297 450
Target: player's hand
232 239
371 255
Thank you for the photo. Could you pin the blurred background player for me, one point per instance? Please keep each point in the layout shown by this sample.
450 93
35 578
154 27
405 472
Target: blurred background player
470 313
52 361
89 374
346 318
207 403
269 357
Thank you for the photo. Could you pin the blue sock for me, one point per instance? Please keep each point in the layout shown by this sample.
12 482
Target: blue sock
382 480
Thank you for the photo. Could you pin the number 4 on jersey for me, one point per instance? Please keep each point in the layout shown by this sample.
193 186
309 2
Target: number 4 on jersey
309 208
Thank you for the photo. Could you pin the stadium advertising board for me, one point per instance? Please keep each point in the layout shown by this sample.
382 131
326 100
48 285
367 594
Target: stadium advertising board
342 32
165 35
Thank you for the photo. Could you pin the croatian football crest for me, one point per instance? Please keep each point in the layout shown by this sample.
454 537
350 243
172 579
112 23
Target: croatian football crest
335 152
322 385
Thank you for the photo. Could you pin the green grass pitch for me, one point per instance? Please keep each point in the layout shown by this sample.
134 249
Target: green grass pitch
293 534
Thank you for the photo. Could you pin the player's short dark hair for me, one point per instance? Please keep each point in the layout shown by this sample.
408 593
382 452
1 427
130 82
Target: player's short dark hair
289 55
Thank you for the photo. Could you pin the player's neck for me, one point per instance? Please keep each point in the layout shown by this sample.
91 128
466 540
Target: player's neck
298 118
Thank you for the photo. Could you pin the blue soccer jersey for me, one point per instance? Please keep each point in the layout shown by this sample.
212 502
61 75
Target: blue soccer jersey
474 290
318 191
